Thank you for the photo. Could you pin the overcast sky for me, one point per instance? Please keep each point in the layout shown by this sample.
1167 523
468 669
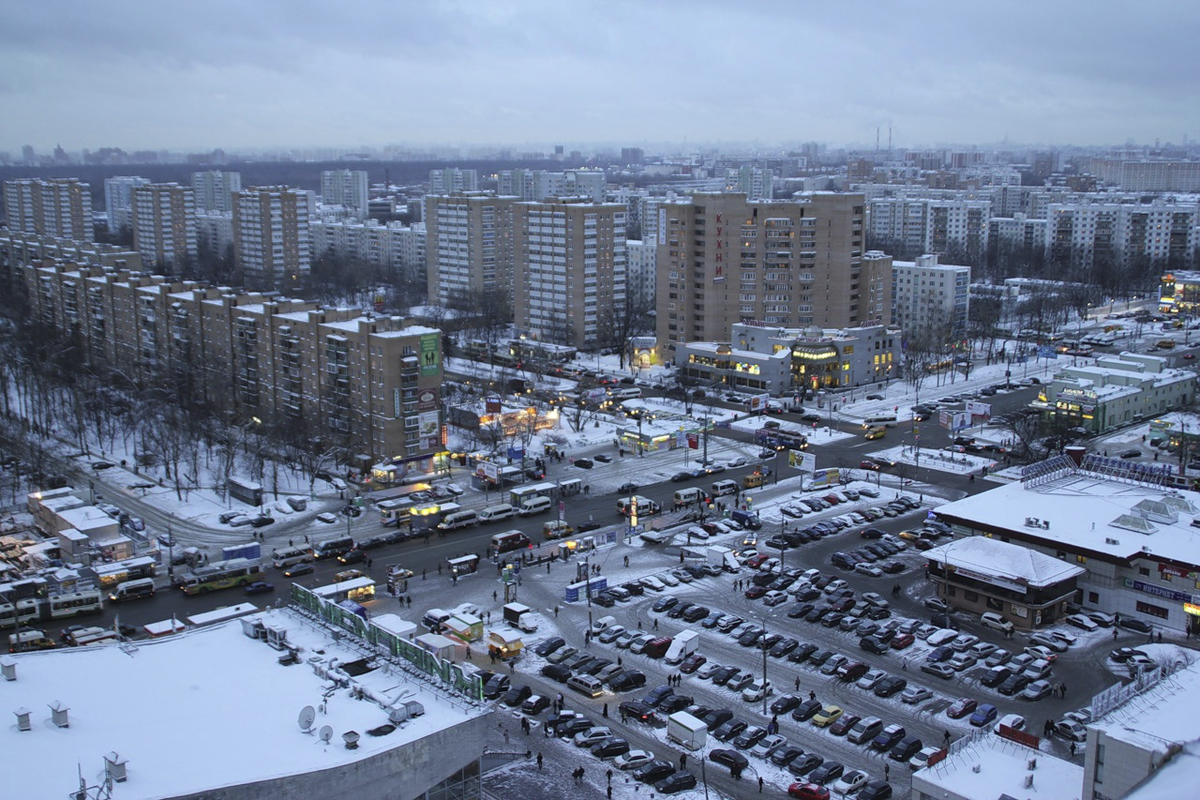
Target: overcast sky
302 73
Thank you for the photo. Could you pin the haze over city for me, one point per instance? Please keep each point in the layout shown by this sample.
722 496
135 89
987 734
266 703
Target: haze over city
306 74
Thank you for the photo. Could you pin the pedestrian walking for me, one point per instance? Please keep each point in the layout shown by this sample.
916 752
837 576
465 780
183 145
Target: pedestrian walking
1160 637
619 661
656 624
506 737
495 597
639 624
605 712
946 737
683 761
290 543
1114 634
760 784
812 695
556 612
904 665
408 600
539 760
797 683
1072 749
439 568
369 563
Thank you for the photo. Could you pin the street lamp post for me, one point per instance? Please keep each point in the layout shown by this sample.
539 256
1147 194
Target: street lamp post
765 615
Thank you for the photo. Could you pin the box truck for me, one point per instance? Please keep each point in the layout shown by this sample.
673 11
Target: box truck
686 731
682 646
520 616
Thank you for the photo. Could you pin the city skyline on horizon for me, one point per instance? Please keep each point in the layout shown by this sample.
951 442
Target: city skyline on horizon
470 75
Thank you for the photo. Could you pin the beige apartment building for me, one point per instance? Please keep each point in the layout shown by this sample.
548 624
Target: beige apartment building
56 207
723 260
469 245
270 235
164 225
367 385
569 284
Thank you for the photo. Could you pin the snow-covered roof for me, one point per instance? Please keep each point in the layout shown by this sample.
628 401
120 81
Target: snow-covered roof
999 559
991 767
86 518
1165 714
1084 510
207 708
1164 783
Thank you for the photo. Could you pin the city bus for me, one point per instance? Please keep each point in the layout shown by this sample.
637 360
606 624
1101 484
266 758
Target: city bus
220 575
780 439
70 604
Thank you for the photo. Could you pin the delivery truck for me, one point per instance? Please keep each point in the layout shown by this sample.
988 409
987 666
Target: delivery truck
520 616
722 558
686 731
682 646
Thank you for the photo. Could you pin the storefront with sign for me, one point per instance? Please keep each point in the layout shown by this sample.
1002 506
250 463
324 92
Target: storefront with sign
978 574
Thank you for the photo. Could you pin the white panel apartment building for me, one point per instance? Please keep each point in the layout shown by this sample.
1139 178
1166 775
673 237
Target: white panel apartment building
118 200
347 188
214 190
270 235
569 282
957 226
469 245
1161 233
930 297
391 245
164 224
453 179
640 276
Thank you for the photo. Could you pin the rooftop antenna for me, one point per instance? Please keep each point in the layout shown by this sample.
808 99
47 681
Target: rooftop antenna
325 734
307 715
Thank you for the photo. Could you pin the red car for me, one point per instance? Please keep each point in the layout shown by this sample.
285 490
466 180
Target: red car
757 561
871 465
961 708
844 724
808 791
902 641
692 663
755 592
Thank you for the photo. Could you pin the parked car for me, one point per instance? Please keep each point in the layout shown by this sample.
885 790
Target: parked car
983 715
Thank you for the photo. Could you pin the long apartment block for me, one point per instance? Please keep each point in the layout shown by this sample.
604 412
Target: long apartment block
367 384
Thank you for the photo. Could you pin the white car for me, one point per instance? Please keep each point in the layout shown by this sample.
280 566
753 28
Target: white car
1070 730
652 583
757 691
850 782
941 636
633 760
915 694
964 642
591 736
1082 622
1014 721
921 759
870 570
1042 652
869 680
1053 643
668 578
736 462
810 574
768 745
327 518
836 586
1063 636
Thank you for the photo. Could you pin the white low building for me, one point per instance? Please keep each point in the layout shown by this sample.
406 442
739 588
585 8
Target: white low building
987 767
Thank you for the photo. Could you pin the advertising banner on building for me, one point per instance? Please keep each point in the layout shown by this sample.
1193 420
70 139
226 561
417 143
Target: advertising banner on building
427 428
429 354
427 399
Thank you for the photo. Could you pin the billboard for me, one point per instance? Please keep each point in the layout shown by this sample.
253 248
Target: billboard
760 402
801 460
954 420
977 409
429 354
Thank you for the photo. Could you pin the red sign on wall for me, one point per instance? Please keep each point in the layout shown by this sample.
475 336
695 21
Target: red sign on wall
1020 737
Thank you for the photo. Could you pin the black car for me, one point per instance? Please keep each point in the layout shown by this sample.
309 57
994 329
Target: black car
637 710
496 686
584 463
802 653
559 721
1132 624
604 600
536 704
549 646
827 773
611 749
875 790
905 749
819 658
729 758
1123 654
783 647
665 603
657 695
654 771
889 686
556 672
722 676
574 726
296 570
806 710
678 609
750 637
676 702
350 510
694 614
783 705
806 762
1013 684
750 737
676 782
517 695
261 522
679 477
628 488
716 718
992 679
872 644
784 756
729 729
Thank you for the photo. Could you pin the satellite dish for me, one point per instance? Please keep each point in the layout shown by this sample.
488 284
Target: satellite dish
325 734
305 721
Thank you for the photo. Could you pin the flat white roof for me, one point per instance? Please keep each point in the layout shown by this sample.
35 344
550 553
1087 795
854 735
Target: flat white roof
1080 509
1004 560
1168 712
1003 766
203 709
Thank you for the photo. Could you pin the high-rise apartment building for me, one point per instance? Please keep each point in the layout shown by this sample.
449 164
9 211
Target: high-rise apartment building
469 246
923 225
118 201
452 179
270 235
931 299
640 262
755 183
164 225
55 207
723 259
345 187
569 282
214 190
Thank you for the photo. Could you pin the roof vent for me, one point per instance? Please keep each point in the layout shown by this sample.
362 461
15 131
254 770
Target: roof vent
1029 781
975 769
22 719
1032 765
8 668
351 740
58 714
114 767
